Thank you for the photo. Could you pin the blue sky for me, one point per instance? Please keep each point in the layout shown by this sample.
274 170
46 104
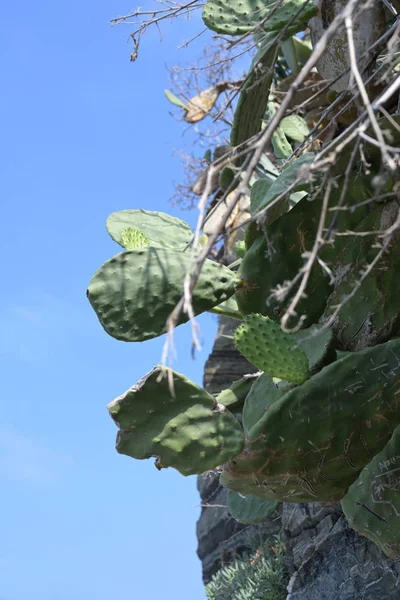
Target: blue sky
84 133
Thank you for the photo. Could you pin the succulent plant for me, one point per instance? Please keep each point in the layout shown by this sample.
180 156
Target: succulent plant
237 17
160 229
249 509
312 441
265 345
372 503
167 416
134 292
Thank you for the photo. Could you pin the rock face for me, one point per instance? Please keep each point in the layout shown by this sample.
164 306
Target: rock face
326 559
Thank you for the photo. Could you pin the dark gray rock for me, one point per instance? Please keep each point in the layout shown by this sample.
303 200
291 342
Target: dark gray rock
330 561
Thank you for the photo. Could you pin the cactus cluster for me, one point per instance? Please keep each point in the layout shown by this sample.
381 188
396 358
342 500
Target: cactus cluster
320 421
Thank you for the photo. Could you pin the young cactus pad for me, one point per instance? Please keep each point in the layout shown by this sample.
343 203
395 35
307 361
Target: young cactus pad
238 17
317 344
133 238
171 418
249 509
311 444
270 349
372 503
134 292
160 229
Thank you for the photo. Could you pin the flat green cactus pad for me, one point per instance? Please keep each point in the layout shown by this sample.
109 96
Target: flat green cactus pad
160 229
181 426
263 394
234 397
311 444
372 503
271 263
249 509
238 17
318 346
253 98
134 292
264 344
372 315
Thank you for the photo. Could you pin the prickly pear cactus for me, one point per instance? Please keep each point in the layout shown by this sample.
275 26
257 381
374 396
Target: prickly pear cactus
249 509
159 229
254 95
311 443
169 417
237 17
134 292
264 344
372 503
234 397
372 315
272 261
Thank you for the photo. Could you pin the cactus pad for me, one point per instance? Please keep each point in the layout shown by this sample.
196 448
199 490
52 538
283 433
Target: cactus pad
234 397
372 503
179 424
238 17
311 444
264 344
264 392
134 292
249 509
159 228
250 109
372 315
318 347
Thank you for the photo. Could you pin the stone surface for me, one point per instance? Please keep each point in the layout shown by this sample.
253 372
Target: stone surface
330 561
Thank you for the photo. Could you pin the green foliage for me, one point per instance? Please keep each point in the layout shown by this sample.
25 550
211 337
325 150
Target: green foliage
254 94
237 17
160 229
311 442
134 292
372 503
171 418
264 344
249 509
322 251
257 576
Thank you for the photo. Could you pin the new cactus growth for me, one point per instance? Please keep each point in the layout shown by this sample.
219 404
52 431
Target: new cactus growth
263 343
134 292
249 509
133 238
372 503
169 417
318 347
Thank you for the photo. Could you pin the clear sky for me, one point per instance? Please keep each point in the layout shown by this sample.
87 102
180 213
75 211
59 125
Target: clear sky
84 132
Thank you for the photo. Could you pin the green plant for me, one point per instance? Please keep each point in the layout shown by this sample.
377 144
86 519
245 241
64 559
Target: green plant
314 285
259 575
